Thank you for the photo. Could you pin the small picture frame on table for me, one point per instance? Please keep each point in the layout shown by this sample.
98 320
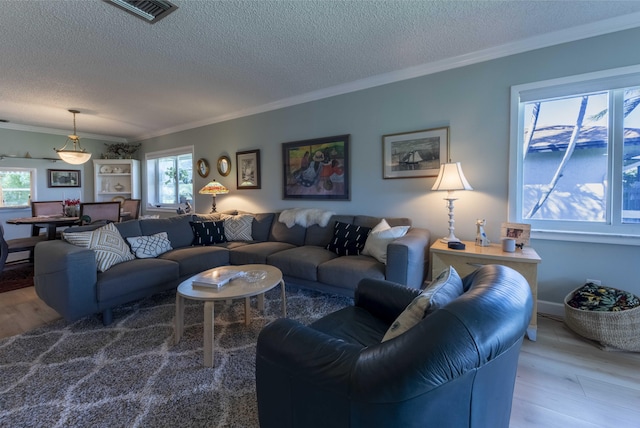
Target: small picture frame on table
521 232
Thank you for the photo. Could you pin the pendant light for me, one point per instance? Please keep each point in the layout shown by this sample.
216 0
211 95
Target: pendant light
77 155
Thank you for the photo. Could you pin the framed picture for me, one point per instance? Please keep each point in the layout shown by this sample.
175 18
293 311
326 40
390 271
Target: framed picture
248 167
521 232
203 167
224 166
63 177
415 154
316 169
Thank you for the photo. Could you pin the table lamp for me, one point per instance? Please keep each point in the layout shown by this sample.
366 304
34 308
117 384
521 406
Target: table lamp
213 188
451 178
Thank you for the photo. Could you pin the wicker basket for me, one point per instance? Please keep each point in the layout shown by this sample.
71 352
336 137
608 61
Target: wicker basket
619 329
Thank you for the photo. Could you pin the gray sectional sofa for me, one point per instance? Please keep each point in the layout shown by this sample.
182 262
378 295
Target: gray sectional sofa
67 279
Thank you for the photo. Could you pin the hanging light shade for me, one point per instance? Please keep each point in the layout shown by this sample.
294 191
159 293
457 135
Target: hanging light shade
77 155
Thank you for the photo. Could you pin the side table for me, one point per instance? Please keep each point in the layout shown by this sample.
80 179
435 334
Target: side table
465 261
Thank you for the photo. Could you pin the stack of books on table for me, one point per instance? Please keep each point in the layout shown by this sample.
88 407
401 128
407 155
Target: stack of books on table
216 279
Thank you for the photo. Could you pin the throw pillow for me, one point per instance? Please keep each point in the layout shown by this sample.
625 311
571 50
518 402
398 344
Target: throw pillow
348 239
107 243
445 289
208 232
145 247
437 294
381 236
238 227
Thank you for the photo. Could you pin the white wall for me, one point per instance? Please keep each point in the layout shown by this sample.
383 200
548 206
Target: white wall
40 145
474 102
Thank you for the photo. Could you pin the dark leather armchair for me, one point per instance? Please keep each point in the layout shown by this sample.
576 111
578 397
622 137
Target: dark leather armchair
455 368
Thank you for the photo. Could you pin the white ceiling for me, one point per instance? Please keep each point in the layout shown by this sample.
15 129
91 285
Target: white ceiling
214 60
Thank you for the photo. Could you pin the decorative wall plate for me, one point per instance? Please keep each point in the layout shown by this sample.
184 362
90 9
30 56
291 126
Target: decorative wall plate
224 165
203 167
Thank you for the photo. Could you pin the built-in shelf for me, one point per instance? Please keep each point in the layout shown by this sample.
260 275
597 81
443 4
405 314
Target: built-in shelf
3 157
110 185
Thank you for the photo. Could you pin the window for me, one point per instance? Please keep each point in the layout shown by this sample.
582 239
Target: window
575 156
16 186
170 177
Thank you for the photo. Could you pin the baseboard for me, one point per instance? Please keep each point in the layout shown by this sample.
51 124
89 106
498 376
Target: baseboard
551 308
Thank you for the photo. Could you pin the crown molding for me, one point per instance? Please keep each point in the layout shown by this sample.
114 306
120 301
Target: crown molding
54 131
581 32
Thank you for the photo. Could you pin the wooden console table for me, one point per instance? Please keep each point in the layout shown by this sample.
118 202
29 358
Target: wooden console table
465 261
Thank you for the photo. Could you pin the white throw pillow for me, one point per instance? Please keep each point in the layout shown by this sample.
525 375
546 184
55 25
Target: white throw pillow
145 247
446 287
238 227
106 242
381 236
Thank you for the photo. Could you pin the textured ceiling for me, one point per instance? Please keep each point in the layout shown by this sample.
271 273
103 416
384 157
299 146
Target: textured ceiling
213 60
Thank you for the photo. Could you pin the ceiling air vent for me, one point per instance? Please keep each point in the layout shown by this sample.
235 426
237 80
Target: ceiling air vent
149 10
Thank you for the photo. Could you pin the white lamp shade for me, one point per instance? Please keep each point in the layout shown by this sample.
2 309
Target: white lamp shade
451 177
74 157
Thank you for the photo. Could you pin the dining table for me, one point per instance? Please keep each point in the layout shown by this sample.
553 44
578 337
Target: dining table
50 222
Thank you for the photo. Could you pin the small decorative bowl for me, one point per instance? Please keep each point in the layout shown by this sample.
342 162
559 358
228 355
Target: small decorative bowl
254 275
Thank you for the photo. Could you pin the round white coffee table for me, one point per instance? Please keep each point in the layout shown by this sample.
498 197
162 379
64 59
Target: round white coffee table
235 289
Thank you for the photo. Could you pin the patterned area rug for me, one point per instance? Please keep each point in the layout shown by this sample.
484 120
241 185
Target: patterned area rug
130 374
16 276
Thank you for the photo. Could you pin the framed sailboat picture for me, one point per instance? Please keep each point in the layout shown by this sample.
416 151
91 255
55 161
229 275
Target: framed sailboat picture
415 154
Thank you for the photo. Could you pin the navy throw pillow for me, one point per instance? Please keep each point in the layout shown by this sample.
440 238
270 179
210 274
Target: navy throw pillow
348 239
208 232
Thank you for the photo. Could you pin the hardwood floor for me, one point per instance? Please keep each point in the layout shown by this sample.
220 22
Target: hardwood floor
563 380
21 310
566 381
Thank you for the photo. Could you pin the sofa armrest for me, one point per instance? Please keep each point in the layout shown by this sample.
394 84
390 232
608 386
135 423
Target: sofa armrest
65 278
383 299
408 258
297 368
299 350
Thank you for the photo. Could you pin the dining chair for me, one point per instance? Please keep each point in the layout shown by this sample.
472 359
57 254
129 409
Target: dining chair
132 208
17 245
42 208
92 212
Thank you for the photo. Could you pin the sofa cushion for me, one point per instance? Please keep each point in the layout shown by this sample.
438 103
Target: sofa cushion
281 233
261 226
208 232
145 247
381 236
178 229
354 325
301 262
321 236
347 271
133 276
193 260
106 242
444 289
238 227
369 221
348 239
129 228
256 253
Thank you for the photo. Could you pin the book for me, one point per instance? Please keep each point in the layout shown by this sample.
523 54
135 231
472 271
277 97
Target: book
216 279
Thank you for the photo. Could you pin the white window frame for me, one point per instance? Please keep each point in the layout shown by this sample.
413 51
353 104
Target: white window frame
152 179
34 178
611 231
